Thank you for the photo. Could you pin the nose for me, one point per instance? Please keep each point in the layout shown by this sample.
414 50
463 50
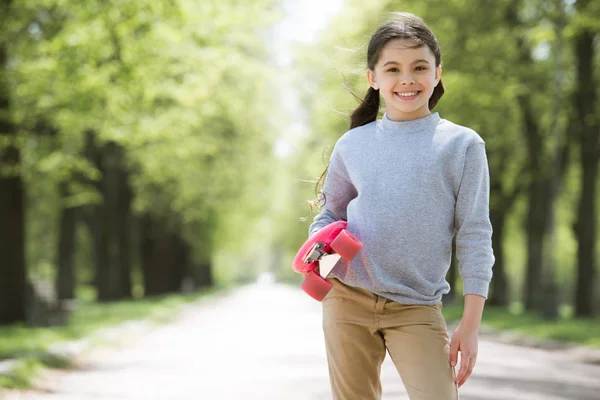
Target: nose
407 79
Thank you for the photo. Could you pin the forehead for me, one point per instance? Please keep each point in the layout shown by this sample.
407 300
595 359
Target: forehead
403 51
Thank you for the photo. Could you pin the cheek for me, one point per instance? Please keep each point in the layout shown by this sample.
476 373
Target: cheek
431 76
429 81
384 81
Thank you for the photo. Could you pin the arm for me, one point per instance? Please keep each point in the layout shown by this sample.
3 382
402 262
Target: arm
473 311
475 255
338 189
472 220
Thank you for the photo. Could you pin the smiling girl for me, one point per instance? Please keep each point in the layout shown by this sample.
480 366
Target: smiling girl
406 184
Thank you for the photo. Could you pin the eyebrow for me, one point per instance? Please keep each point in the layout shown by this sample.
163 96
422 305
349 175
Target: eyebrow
414 62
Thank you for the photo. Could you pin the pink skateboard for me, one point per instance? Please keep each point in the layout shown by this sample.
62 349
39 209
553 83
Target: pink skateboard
320 253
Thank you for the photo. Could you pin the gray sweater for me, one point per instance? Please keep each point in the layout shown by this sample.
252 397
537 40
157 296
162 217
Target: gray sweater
405 188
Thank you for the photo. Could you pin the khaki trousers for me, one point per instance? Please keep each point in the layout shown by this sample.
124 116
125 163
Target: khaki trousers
359 326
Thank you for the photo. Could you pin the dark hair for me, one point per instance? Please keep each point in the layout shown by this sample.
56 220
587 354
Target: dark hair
402 25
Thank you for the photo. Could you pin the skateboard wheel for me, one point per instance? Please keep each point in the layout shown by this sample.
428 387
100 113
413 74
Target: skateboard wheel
346 245
316 286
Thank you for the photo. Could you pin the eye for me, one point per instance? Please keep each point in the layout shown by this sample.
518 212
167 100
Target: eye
421 68
392 70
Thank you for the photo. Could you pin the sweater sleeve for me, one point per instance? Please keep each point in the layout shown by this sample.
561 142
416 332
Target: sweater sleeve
473 226
338 190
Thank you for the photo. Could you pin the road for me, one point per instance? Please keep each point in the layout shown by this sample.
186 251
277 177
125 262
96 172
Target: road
264 341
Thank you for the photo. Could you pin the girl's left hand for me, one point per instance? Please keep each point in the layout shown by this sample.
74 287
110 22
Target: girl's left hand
465 340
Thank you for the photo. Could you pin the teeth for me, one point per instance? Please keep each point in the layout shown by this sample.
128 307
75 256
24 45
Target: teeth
407 94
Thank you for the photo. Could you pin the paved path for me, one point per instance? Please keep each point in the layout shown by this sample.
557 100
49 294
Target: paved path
264 342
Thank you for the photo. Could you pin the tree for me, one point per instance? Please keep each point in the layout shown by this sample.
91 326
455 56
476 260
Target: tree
12 205
587 128
163 122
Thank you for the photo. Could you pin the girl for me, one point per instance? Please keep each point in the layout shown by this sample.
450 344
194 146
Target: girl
405 184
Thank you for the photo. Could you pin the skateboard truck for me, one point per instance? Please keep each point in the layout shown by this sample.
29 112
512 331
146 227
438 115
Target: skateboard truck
315 253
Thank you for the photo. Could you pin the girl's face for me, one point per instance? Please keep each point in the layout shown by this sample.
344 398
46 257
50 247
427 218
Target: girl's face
405 78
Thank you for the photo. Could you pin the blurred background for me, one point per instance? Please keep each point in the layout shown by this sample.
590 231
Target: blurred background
154 150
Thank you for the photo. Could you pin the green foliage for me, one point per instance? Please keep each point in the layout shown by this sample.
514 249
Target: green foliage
183 86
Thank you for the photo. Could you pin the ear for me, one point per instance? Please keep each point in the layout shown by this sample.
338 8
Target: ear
438 75
372 80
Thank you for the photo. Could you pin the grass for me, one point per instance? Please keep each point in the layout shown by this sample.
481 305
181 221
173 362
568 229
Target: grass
566 329
30 345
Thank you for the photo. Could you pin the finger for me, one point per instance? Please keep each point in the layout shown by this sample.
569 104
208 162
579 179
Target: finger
453 351
464 365
469 371
466 376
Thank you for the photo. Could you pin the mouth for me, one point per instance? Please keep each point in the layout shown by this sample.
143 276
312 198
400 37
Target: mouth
407 95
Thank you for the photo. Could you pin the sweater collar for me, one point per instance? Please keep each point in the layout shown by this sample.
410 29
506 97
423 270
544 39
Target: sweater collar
414 125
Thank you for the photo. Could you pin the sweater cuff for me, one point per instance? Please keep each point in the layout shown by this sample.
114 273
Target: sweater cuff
476 286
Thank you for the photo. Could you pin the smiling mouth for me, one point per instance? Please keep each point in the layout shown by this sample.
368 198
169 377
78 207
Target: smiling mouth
407 95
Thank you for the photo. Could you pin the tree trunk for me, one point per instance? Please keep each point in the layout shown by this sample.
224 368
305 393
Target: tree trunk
539 182
146 243
155 256
499 295
551 293
113 267
65 278
12 209
124 222
91 213
537 213
587 129
535 223
178 263
586 292
204 275
108 273
91 220
503 200
104 277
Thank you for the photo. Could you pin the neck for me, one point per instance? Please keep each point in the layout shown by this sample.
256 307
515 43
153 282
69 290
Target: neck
396 115
412 125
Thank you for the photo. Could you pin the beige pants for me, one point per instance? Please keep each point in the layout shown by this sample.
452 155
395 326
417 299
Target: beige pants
359 326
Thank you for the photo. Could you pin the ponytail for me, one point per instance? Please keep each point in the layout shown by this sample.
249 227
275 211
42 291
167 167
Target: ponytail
438 92
367 110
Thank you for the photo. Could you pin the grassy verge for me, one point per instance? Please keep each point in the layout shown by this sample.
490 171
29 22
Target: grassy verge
565 329
31 345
